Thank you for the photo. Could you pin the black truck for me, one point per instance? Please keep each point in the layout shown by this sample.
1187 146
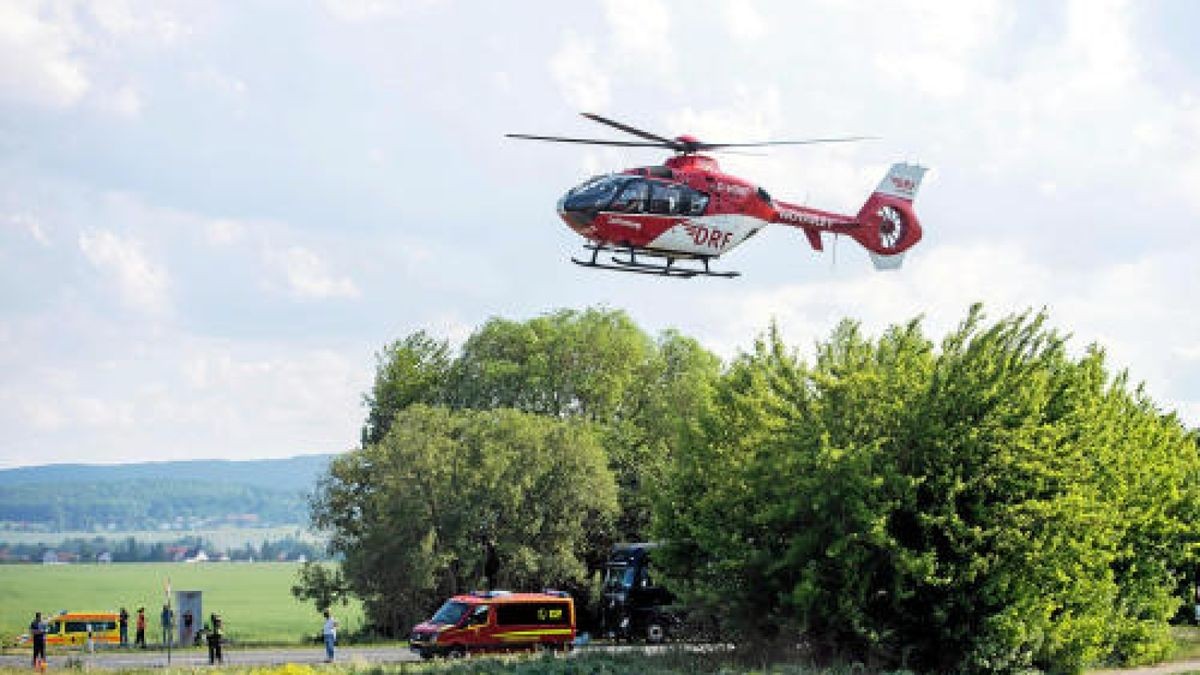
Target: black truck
634 607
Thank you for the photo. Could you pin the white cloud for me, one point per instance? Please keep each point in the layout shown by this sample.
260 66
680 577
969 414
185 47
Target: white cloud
308 276
214 80
582 82
142 284
136 20
743 20
124 101
37 64
177 396
58 54
223 231
30 225
366 10
641 34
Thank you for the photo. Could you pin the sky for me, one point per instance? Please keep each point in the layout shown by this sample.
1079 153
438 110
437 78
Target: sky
214 214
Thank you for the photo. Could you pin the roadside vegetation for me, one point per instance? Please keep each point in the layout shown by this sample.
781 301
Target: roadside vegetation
666 663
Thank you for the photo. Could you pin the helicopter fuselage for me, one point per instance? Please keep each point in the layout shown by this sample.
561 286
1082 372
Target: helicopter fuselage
685 208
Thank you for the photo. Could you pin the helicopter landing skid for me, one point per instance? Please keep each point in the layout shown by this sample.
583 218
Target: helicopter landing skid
666 269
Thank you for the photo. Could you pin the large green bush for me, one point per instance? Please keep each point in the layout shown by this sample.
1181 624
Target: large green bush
991 504
414 513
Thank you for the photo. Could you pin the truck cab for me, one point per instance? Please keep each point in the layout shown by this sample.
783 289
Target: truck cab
634 605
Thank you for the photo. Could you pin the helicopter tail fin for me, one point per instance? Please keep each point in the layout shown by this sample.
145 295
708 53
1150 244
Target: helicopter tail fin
887 224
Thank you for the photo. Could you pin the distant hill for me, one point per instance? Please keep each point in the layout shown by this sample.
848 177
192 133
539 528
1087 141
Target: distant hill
153 495
293 473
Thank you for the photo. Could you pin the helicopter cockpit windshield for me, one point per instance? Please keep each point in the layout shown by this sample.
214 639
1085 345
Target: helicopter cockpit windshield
630 194
594 194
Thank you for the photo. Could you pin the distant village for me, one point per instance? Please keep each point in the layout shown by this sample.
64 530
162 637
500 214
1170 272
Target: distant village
186 549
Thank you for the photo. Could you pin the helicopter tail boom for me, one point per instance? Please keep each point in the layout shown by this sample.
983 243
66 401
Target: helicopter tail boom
887 224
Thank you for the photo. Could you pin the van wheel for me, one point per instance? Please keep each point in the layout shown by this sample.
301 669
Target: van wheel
655 632
457 652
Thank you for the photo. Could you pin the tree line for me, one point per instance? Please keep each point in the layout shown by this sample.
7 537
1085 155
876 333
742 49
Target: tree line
131 549
989 501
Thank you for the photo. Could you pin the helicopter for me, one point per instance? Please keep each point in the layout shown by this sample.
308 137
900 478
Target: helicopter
674 219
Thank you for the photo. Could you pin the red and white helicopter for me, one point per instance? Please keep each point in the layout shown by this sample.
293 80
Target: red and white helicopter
687 210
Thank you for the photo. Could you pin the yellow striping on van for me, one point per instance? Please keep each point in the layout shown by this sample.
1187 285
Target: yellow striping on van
518 635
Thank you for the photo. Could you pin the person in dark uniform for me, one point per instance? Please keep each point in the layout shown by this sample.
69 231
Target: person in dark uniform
124 624
188 623
37 632
214 640
167 619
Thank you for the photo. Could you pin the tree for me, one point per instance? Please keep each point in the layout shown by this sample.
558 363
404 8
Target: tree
412 370
321 583
413 513
594 365
994 504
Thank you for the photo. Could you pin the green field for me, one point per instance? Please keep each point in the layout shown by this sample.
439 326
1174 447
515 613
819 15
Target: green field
253 599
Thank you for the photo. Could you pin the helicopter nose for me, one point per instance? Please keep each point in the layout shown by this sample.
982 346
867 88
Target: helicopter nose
578 219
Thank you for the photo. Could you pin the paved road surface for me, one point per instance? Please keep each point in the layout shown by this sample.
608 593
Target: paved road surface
121 659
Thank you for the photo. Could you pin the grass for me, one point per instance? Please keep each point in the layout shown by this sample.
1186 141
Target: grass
253 599
1187 642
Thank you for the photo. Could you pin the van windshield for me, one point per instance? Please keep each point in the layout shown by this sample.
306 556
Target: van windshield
451 612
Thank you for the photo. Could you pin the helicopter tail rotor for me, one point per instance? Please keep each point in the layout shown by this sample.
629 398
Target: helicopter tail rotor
888 224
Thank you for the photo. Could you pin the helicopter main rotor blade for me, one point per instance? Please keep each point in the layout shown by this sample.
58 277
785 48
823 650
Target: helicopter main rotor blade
673 144
810 141
590 141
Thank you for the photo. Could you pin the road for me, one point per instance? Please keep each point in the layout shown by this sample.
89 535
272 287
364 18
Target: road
141 659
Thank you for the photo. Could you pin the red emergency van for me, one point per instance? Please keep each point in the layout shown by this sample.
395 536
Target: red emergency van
497 621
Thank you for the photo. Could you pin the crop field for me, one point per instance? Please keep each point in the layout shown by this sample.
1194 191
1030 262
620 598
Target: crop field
253 599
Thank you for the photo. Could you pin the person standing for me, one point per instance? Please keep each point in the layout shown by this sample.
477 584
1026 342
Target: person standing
37 632
140 638
123 622
329 632
214 640
165 619
188 622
